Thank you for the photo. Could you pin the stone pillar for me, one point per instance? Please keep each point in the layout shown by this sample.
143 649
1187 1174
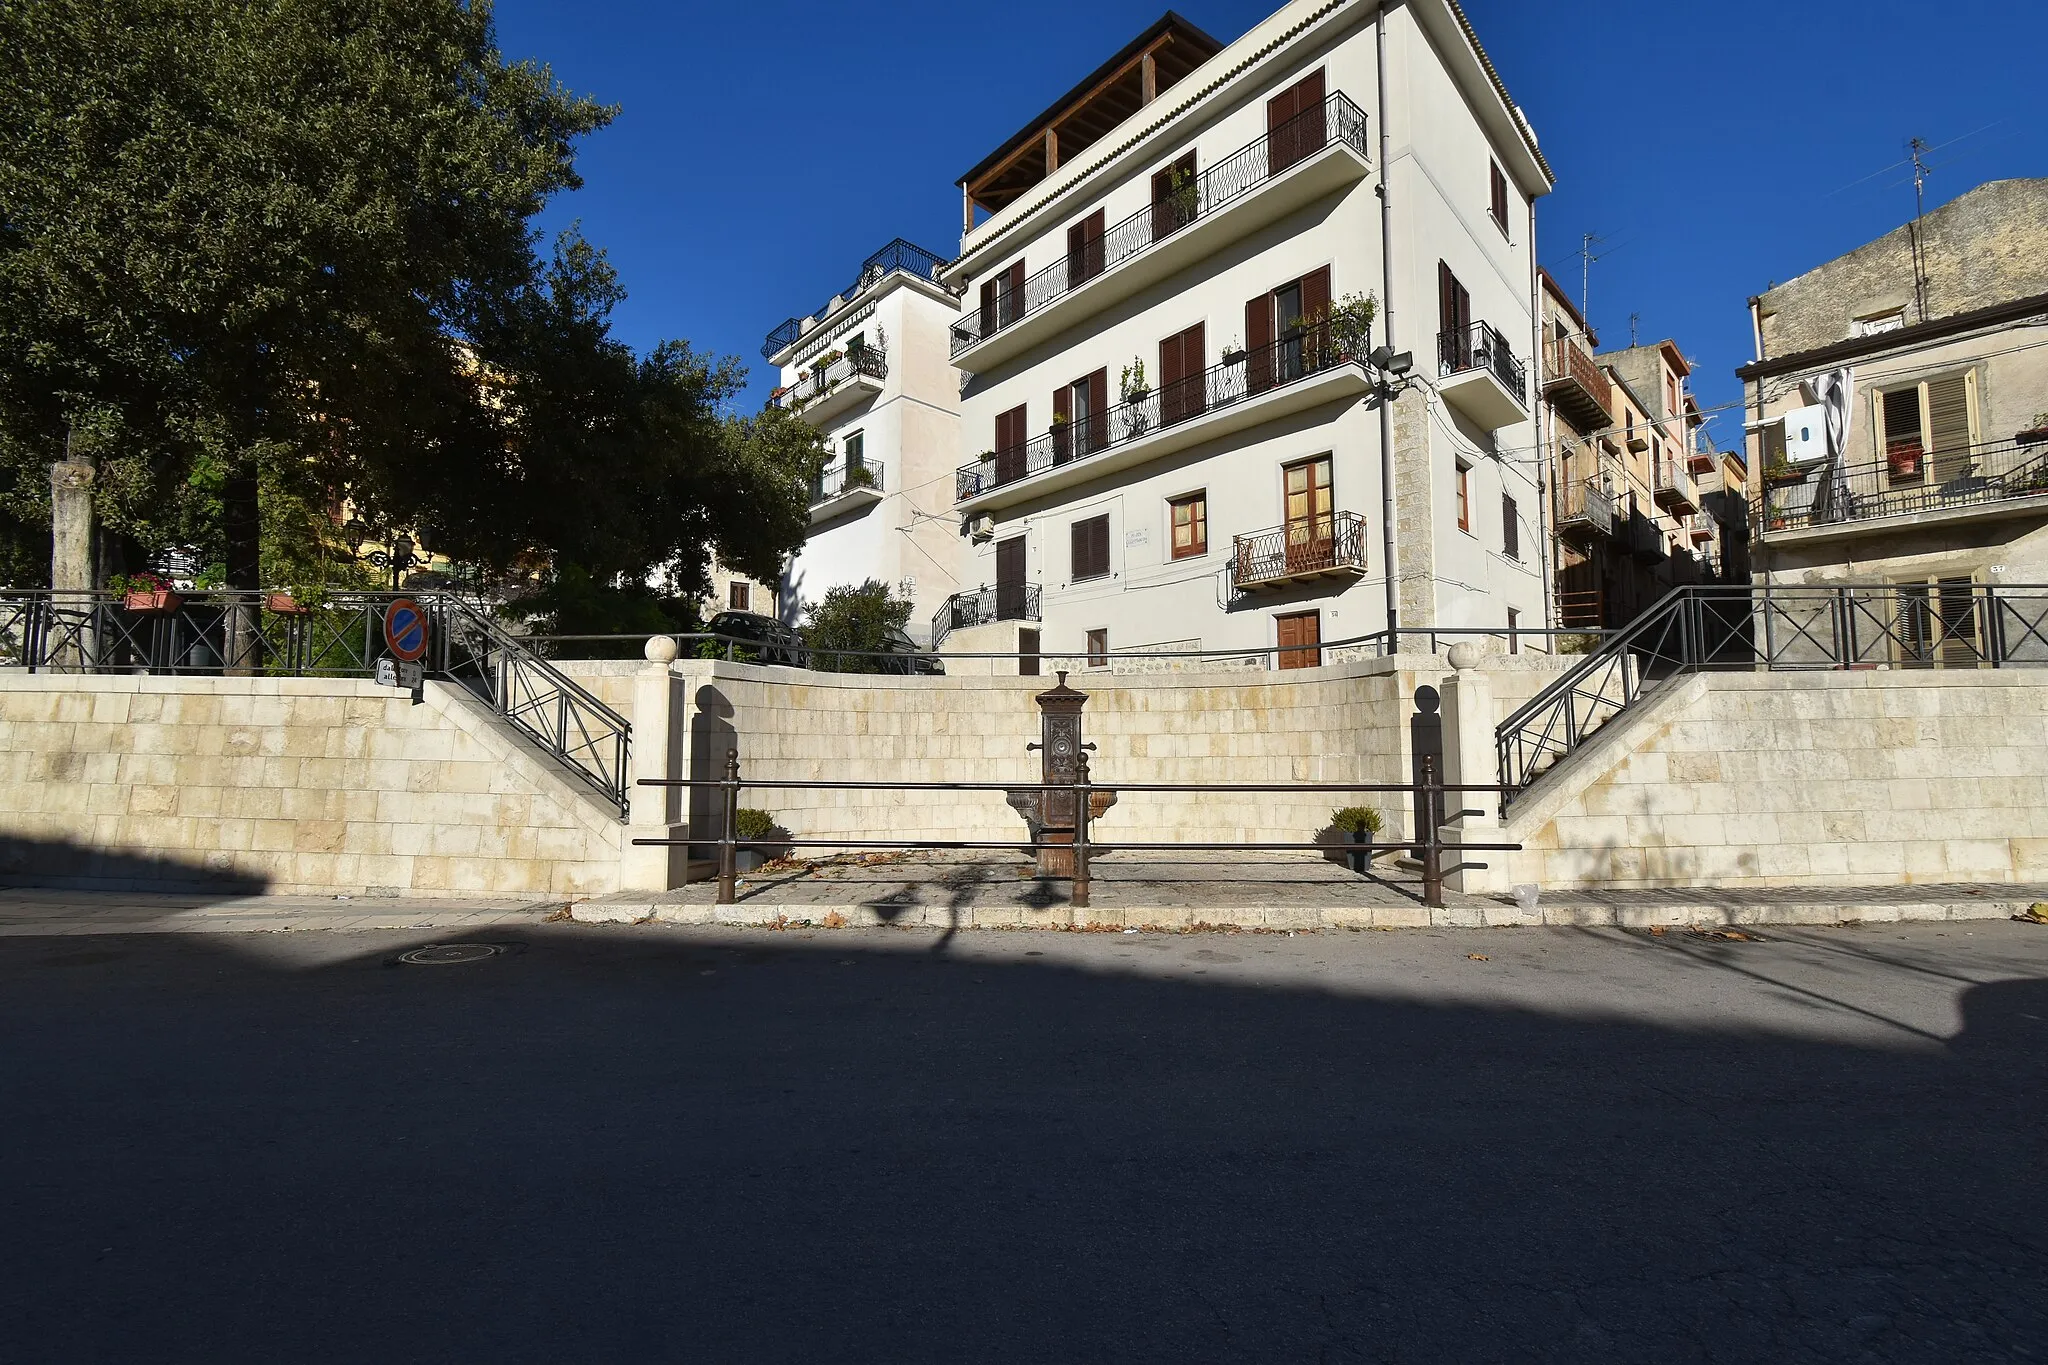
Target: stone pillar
654 812
1469 756
71 526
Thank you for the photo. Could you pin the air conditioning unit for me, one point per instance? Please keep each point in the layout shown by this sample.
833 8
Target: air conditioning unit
982 527
1806 435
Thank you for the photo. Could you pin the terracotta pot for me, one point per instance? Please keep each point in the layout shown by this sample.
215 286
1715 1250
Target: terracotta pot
283 604
162 599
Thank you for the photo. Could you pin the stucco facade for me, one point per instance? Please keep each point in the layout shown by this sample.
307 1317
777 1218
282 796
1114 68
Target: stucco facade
1190 239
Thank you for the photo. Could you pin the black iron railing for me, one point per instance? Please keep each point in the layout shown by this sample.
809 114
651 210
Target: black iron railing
1908 480
898 255
845 477
1302 353
1742 627
985 605
267 634
1313 546
1335 120
1480 347
869 362
1585 505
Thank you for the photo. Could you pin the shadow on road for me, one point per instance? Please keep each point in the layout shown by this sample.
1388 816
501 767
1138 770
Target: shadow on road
661 1146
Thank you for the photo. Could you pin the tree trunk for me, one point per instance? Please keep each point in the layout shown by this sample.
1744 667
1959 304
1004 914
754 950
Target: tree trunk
73 570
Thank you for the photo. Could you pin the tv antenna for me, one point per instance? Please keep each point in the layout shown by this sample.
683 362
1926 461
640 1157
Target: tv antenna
1586 259
1921 170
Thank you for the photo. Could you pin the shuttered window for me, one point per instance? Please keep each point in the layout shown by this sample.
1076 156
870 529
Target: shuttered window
1181 384
1091 548
1176 197
1098 648
1285 331
1296 123
1464 498
1931 423
737 596
1191 525
1510 528
1084 250
1499 196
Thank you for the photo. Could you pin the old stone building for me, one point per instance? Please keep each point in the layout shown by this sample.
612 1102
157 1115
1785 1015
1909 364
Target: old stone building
1898 402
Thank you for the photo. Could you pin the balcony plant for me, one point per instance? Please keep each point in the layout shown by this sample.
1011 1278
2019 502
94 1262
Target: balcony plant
859 476
1904 461
1233 352
1358 825
1778 474
1132 385
2036 432
1350 322
146 592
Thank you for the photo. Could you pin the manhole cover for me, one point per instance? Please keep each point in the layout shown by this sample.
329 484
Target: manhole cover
450 954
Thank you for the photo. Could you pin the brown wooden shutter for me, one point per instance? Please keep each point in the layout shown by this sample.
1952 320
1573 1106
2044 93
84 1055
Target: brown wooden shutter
1062 424
1098 409
1010 443
1010 593
1084 250
1016 308
1510 528
988 307
1454 317
1180 374
1173 211
1258 340
1294 126
1315 303
1499 188
1090 547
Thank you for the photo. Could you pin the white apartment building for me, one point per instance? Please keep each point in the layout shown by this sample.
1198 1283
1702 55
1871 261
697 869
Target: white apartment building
1172 440
869 369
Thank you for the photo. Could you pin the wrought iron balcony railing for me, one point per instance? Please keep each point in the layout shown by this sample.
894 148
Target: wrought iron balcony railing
1481 347
1909 480
985 606
1313 547
844 478
1585 505
1306 352
1576 383
869 362
1333 121
898 255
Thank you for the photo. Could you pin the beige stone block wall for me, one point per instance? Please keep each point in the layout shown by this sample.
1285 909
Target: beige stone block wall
1837 778
286 785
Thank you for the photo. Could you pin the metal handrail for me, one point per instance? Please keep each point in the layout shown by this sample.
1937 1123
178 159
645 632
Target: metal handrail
868 362
1481 347
1429 842
1302 354
228 632
984 606
1907 481
843 477
1335 120
1321 544
1770 628
902 255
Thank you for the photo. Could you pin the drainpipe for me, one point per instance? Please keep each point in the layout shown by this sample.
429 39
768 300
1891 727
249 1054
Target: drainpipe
1545 551
1379 24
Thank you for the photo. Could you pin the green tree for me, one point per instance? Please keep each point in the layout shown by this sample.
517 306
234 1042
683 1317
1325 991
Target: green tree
257 255
854 619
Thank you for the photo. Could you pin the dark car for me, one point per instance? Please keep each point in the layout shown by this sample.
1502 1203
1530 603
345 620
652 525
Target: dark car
903 655
761 639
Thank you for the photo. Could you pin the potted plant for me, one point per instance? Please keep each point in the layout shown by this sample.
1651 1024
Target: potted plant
1350 323
753 825
146 592
1233 352
1358 825
859 476
1132 385
2036 432
1778 474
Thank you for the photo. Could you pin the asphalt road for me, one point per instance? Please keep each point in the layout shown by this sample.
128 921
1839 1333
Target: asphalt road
642 1143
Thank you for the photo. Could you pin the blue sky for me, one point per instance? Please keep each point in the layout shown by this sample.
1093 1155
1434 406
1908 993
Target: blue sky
762 150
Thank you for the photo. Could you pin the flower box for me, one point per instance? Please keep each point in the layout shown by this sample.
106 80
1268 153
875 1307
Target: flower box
152 600
2037 436
1784 478
283 604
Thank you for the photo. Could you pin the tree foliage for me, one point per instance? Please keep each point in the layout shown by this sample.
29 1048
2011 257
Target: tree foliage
857 620
259 255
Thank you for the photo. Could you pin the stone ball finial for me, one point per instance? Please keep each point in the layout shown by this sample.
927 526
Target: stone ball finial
662 649
1464 655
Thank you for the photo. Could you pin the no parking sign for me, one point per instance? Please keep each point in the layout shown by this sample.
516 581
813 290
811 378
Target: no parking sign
407 633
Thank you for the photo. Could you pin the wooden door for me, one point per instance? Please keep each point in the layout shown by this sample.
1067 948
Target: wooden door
1454 319
1311 516
1180 375
1295 123
1084 250
1063 424
1300 638
1258 341
1012 461
1027 653
1010 579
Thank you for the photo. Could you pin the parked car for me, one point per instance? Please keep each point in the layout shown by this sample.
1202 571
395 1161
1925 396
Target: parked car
905 657
764 637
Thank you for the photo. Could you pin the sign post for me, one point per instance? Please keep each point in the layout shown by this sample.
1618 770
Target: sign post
407 633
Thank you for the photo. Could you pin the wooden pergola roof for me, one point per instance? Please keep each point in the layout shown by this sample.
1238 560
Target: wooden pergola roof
1153 61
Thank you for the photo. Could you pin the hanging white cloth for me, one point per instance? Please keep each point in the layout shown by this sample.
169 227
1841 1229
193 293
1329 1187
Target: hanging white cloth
1833 391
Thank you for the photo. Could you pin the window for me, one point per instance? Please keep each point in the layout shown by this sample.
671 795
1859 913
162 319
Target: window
1080 417
1098 648
1296 123
1464 496
1091 548
1499 189
736 596
1012 456
1282 335
1510 528
1300 637
1311 523
1514 624
1085 257
1931 422
1002 299
1190 525
854 447
1013 595
1176 197
1455 350
1181 382
1027 653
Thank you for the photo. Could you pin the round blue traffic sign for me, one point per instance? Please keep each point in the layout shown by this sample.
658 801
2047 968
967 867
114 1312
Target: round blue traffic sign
405 629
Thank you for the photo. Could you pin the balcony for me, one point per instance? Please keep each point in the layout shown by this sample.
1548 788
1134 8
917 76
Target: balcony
845 488
1330 546
1298 162
838 383
1701 528
985 606
1675 490
1998 479
1479 375
1575 385
899 255
1641 537
1298 372
1585 508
